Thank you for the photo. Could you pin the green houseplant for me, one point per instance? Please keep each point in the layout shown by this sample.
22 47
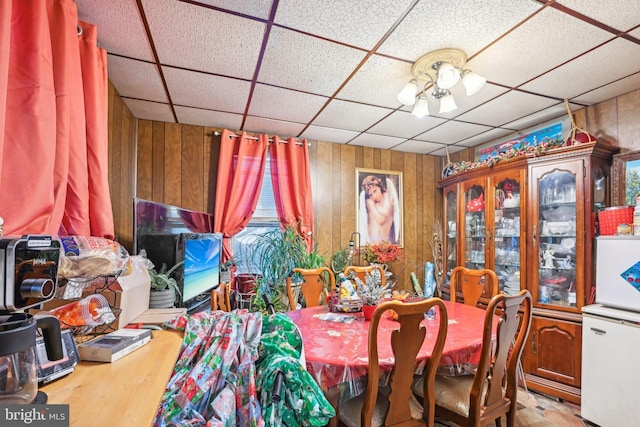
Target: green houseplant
164 287
275 253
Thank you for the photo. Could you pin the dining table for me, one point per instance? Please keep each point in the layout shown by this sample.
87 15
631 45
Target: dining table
335 345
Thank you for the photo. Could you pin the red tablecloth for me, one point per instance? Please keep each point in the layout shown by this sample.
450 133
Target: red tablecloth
337 353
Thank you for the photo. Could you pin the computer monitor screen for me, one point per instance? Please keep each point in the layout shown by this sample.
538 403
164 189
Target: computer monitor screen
157 227
201 254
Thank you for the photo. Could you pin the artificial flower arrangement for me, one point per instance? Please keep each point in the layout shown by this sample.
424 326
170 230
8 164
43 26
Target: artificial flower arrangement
382 252
524 150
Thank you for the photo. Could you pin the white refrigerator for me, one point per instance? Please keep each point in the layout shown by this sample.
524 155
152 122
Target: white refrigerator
611 336
610 376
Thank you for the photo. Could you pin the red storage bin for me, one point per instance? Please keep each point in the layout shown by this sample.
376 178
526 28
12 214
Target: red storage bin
609 218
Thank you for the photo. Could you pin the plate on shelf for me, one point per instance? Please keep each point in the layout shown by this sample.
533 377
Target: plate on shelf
568 244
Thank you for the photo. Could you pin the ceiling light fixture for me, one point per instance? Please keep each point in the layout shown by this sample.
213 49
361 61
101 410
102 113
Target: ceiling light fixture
442 69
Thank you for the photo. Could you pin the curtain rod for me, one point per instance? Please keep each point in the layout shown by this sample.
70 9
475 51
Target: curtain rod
255 138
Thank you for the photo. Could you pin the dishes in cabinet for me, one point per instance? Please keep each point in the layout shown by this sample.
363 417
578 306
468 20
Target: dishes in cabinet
557 228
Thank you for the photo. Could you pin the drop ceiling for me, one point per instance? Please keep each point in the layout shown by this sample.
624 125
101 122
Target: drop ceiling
330 70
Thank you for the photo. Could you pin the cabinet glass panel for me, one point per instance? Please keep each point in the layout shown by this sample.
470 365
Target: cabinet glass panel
557 247
507 234
474 232
451 228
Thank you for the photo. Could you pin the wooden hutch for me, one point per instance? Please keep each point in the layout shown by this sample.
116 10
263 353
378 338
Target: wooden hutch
533 219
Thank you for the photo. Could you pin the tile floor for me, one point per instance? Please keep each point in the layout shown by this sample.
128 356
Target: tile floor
537 410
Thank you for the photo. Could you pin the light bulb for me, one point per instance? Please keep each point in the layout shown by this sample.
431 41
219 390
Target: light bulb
448 76
447 104
408 94
472 82
421 108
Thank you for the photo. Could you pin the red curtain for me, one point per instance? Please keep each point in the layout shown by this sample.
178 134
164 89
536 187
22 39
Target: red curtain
291 180
240 169
53 150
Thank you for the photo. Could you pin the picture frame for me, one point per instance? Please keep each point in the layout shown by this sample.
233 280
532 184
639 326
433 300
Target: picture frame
381 218
554 132
626 178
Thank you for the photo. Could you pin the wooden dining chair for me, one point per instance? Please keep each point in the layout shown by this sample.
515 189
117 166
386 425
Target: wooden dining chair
361 272
474 400
473 284
396 405
312 285
220 298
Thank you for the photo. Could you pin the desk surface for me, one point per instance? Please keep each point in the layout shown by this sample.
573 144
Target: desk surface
123 393
337 352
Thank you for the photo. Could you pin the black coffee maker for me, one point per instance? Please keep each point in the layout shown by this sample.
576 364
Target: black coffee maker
28 278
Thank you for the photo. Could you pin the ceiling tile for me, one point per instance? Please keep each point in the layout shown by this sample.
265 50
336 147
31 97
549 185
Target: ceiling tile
320 133
616 88
451 132
336 22
203 39
136 79
464 102
272 127
469 25
199 90
120 29
486 137
375 141
199 117
619 14
300 62
284 104
547 40
551 113
506 108
147 110
420 147
350 116
257 8
373 83
591 70
443 151
404 124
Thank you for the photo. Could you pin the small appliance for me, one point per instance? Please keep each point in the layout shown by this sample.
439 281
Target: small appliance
618 272
28 277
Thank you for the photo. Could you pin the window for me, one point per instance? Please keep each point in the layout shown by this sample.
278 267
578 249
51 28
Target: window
264 219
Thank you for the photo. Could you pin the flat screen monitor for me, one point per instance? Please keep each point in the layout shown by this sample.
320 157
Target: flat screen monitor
201 254
157 227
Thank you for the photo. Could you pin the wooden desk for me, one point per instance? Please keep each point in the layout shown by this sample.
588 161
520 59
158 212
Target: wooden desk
126 392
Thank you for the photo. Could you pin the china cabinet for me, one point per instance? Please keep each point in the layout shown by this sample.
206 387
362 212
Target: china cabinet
533 220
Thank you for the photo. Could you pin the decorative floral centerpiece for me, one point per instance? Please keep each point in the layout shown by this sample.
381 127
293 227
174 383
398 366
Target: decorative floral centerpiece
382 252
371 291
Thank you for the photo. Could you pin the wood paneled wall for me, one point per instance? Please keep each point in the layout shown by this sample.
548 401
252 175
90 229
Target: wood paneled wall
122 164
176 164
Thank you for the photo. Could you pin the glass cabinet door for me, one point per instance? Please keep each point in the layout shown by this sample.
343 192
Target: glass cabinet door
475 236
507 230
451 229
558 233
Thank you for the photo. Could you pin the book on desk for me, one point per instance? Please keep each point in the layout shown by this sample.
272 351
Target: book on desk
114 346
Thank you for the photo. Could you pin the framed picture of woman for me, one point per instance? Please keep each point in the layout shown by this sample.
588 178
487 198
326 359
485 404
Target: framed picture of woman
379 206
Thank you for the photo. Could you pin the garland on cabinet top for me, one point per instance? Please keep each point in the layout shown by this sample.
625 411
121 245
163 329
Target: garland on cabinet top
452 168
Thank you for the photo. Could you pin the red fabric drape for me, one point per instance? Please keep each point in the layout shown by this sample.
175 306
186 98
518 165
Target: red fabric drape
291 180
44 171
240 169
5 38
96 108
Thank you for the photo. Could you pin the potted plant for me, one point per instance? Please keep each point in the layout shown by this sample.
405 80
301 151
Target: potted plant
226 268
339 260
164 287
275 253
371 292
